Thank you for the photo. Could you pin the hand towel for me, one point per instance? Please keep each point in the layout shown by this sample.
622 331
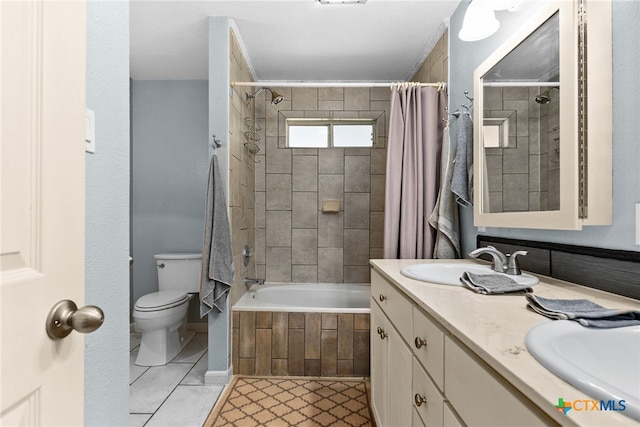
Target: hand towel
444 217
462 179
491 284
217 257
583 311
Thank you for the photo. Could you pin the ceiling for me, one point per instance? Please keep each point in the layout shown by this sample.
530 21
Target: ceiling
381 40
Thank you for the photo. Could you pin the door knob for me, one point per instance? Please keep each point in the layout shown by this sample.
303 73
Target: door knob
65 316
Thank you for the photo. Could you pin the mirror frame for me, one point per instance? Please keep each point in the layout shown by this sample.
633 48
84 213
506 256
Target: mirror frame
585 168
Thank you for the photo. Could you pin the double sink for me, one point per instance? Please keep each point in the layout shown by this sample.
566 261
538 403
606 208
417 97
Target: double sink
603 363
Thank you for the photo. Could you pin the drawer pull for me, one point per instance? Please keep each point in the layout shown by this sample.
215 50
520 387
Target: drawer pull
382 298
419 399
382 333
419 342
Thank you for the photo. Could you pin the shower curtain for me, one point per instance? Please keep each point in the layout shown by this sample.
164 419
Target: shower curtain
413 170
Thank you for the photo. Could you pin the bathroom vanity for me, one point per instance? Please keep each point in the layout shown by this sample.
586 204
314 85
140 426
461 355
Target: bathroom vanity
445 356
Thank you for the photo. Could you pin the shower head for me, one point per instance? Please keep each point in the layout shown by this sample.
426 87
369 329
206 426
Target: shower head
276 98
545 97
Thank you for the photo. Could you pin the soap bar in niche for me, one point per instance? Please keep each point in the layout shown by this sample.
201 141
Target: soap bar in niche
331 205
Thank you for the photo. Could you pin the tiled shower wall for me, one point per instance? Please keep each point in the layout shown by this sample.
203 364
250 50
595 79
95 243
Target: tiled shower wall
241 174
524 176
295 240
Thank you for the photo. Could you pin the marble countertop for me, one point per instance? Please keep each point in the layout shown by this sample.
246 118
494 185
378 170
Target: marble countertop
494 327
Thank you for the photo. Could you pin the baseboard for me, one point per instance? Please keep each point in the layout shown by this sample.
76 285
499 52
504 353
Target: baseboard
218 377
199 328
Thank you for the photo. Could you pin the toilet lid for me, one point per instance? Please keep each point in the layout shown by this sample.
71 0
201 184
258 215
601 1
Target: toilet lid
161 300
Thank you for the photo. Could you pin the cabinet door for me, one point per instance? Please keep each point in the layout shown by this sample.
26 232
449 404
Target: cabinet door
400 403
379 349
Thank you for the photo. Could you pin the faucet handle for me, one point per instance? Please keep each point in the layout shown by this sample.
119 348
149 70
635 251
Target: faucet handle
512 265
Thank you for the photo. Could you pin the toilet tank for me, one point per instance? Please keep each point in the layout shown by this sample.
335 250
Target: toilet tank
179 272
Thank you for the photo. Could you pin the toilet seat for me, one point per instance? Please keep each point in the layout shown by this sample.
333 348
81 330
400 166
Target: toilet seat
162 300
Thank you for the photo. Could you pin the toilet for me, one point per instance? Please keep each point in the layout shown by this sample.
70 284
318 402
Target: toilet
162 316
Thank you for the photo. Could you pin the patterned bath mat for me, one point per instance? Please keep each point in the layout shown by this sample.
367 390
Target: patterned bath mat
292 401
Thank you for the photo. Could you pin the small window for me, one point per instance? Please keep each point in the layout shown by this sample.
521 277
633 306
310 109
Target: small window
327 133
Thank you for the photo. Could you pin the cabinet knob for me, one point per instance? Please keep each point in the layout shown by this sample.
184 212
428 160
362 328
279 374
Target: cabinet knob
419 342
419 399
382 297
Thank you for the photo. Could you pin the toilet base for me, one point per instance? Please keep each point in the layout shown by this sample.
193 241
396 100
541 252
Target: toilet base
159 347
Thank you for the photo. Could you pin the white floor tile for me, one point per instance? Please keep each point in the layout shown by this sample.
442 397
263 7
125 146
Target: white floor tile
135 371
152 388
187 406
196 374
138 420
193 350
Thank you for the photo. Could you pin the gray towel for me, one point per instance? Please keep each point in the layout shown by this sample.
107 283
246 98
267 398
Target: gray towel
491 284
444 217
216 275
462 179
583 311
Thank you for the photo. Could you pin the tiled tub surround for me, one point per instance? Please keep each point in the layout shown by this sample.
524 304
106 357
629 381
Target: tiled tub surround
300 344
295 240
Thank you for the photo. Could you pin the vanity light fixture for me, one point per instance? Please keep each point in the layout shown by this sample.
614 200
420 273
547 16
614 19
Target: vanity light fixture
480 19
342 1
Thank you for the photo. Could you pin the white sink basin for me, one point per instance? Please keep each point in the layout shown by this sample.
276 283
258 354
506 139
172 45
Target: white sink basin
449 273
603 363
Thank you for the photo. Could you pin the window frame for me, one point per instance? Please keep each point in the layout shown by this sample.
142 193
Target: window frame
330 123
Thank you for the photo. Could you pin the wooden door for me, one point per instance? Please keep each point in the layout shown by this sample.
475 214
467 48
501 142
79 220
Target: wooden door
42 129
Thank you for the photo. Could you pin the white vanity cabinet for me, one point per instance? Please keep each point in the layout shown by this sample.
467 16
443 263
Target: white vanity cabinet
423 376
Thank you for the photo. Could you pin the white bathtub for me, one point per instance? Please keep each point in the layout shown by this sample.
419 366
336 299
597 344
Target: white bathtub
307 297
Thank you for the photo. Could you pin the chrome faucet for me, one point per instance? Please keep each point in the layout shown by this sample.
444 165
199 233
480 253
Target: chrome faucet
250 282
501 263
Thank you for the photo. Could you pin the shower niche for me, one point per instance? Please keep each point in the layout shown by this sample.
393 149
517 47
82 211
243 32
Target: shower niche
542 134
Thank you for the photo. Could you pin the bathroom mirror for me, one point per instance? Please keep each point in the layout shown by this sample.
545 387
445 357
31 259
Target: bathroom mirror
533 164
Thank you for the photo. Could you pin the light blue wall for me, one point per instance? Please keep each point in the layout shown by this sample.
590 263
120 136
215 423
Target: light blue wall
107 215
464 57
219 356
169 172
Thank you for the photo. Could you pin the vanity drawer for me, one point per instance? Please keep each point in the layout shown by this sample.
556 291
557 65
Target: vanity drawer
481 396
428 345
450 419
427 400
395 305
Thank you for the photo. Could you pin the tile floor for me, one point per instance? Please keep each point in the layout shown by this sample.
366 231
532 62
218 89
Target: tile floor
173 394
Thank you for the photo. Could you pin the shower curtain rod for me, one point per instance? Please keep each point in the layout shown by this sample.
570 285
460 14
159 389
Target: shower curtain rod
281 83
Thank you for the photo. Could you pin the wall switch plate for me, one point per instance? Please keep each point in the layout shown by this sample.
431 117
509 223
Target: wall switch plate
90 138
637 223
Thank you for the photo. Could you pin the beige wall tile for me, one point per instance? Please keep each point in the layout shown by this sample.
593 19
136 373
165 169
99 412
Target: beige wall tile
356 247
278 267
357 170
331 187
380 94
376 234
304 273
330 105
356 98
378 162
304 99
356 210
330 94
278 160
357 274
305 209
305 173
278 191
278 228
330 263
304 247
331 161
260 209
330 230
378 185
